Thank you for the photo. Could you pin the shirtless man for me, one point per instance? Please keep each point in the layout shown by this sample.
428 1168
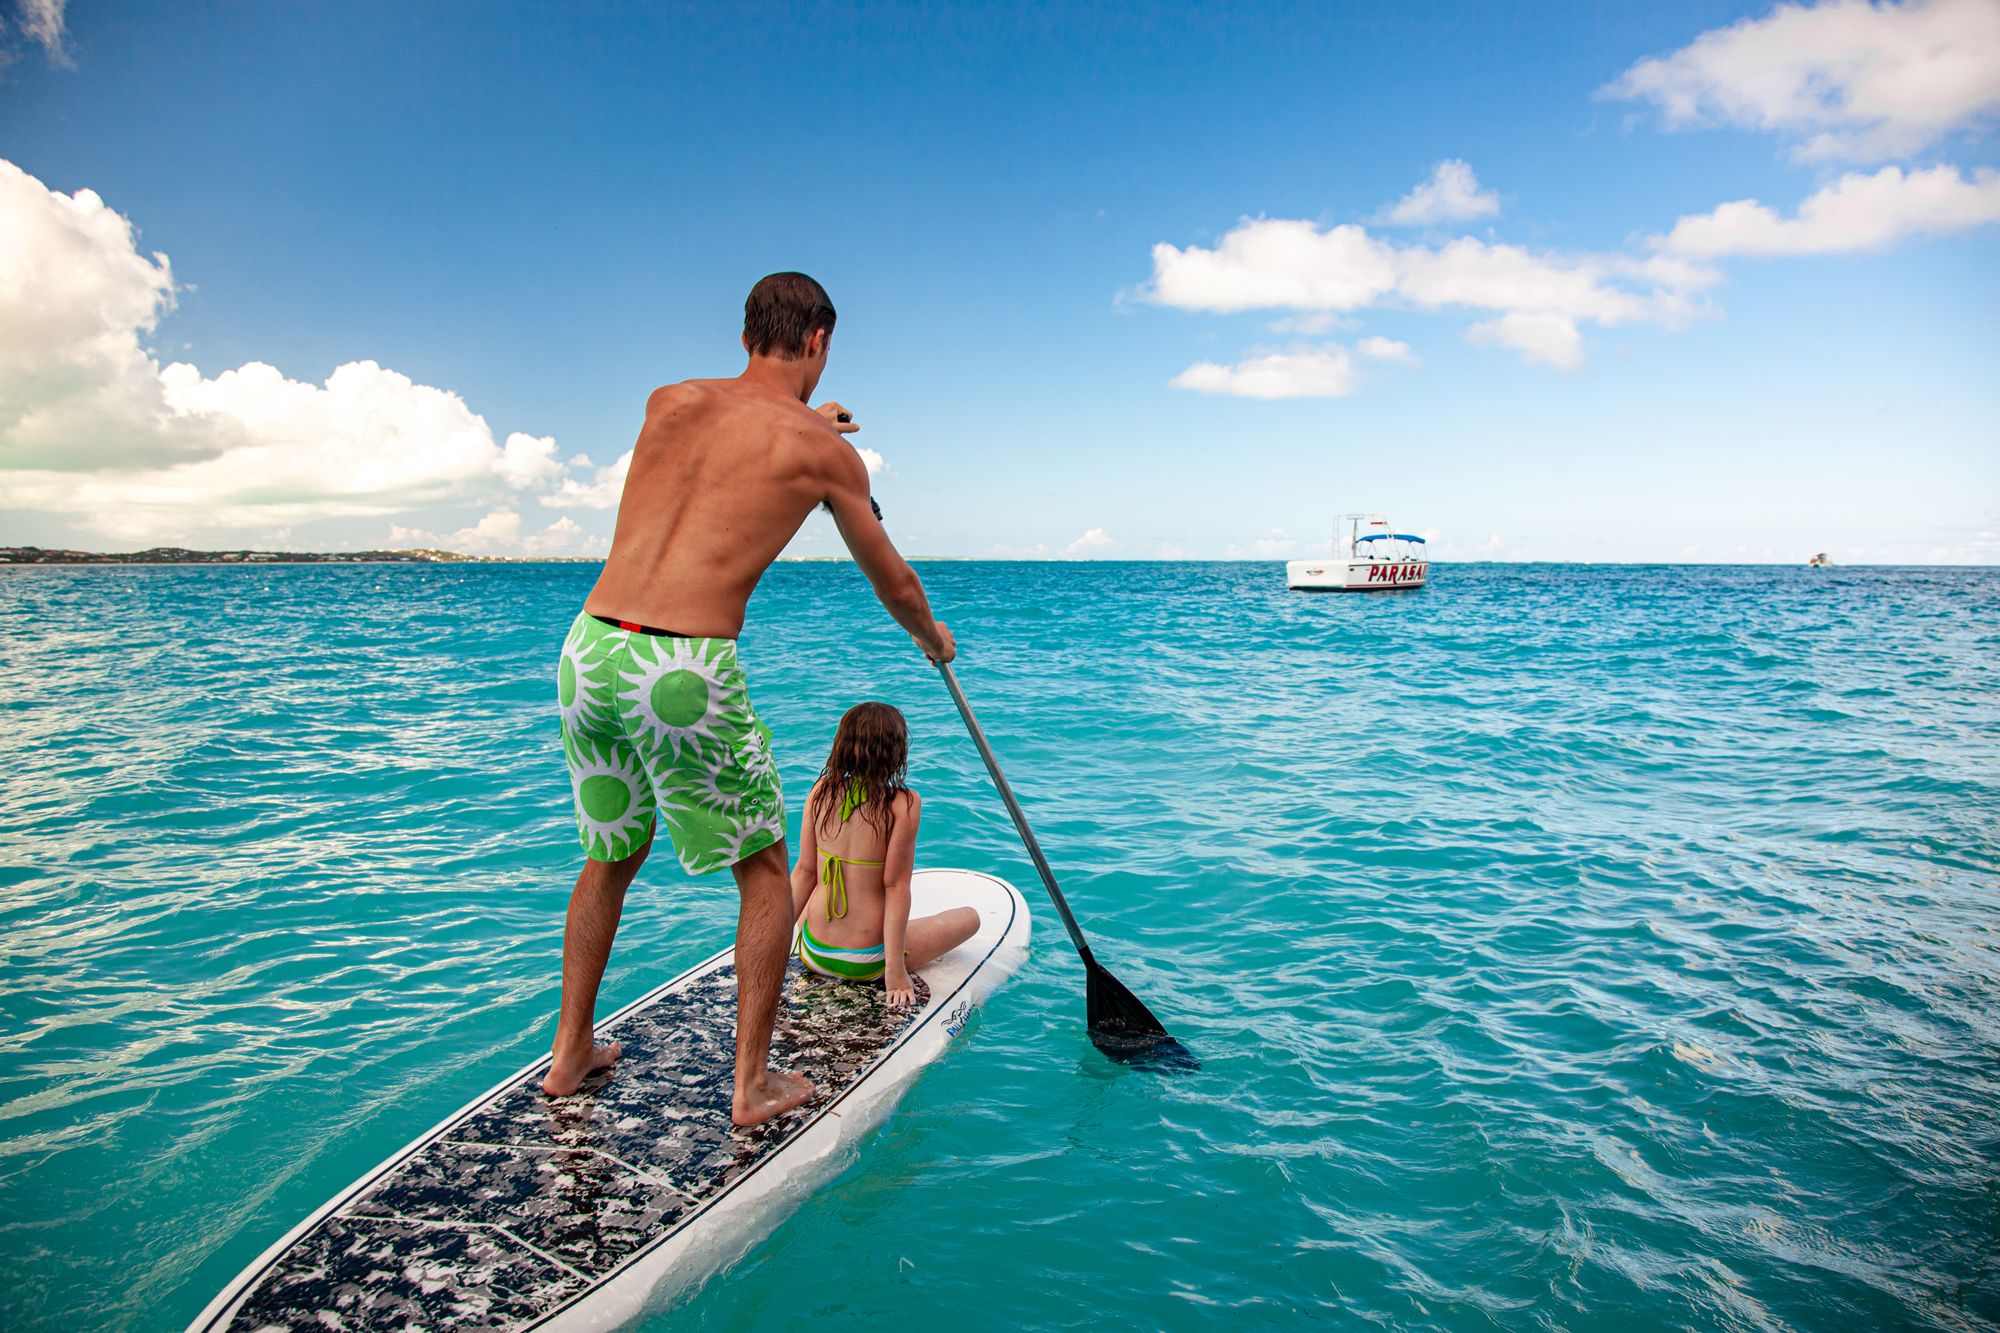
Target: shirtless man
656 722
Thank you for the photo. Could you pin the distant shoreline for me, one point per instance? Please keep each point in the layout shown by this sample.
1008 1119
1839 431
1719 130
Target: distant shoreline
178 555
181 555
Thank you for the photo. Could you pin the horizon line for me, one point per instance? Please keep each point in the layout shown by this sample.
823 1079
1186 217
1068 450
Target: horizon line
432 556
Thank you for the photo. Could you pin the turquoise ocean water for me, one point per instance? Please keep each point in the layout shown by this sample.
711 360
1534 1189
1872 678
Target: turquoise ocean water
1581 948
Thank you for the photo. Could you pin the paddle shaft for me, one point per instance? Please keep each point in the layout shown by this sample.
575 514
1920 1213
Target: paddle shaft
1014 809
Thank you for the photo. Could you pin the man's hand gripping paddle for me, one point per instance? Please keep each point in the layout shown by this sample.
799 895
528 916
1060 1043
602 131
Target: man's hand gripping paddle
1120 1025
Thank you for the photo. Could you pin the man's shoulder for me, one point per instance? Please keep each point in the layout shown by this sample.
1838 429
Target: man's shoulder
681 392
727 394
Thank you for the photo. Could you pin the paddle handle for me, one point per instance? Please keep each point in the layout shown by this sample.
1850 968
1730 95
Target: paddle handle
1014 809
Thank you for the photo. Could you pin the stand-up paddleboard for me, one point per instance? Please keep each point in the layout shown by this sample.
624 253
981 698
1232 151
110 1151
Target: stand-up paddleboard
524 1211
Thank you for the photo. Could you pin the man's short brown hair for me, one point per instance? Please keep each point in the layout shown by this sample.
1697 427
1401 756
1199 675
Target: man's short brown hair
781 314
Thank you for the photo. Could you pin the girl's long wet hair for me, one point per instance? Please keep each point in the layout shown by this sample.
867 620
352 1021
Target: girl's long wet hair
872 749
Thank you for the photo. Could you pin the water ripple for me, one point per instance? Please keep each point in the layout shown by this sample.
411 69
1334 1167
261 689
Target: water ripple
1566 948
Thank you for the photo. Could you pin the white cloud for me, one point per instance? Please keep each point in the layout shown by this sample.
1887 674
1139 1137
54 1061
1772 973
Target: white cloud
1321 372
1277 544
268 450
91 424
528 460
1538 303
500 533
1263 263
564 537
600 492
1982 548
42 20
871 458
75 298
1848 79
1489 276
1493 548
1094 540
1311 324
1538 335
1452 194
1386 349
1672 276
1270 263
1856 212
1273 264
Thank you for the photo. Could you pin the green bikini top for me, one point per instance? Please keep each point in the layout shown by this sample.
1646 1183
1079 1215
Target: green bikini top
831 871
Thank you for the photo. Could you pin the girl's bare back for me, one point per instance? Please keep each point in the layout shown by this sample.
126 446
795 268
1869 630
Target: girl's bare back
852 887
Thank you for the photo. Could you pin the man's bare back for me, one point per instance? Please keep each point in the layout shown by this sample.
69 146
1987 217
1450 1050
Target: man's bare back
722 476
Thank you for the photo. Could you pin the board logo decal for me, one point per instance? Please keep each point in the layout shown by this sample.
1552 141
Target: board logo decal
954 1022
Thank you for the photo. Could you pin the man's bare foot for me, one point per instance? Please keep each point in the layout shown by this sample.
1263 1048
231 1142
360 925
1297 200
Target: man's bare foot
777 1094
569 1071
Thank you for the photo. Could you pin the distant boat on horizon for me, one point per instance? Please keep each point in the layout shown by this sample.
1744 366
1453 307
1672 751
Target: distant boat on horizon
1377 560
1819 562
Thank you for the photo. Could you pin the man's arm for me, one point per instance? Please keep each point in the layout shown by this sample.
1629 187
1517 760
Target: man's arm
895 583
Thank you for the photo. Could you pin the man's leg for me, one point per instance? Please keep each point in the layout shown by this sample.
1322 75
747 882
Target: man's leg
763 941
594 906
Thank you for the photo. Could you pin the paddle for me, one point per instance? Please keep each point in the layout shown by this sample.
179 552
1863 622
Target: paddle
1119 1024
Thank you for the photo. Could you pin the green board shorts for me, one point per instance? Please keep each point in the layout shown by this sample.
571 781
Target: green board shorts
658 726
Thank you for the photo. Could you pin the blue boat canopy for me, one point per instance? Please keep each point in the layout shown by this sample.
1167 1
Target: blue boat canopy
1393 536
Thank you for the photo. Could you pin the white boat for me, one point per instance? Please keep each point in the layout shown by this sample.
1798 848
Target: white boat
1377 560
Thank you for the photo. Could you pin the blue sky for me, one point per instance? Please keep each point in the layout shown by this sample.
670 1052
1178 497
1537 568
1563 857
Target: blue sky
544 215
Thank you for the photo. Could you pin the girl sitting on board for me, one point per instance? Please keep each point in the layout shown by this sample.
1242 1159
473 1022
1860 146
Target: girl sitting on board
857 847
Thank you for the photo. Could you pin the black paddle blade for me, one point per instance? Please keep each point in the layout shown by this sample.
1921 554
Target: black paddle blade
1125 1029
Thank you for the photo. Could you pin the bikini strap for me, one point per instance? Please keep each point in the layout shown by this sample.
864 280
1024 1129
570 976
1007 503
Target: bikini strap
833 874
835 878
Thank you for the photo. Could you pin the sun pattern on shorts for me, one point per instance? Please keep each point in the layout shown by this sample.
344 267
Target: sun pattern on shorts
655 727
580 693
674 694
757 760
708 791
737 844
611 799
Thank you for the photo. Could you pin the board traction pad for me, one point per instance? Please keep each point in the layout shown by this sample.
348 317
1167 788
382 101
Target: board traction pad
525 1202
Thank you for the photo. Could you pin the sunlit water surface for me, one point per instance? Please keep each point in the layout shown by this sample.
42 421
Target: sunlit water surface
1564 948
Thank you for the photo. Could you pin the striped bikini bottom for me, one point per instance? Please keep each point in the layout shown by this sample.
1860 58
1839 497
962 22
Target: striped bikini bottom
846 964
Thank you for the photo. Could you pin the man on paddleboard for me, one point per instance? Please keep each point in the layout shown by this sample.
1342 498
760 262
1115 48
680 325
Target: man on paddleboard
657 726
